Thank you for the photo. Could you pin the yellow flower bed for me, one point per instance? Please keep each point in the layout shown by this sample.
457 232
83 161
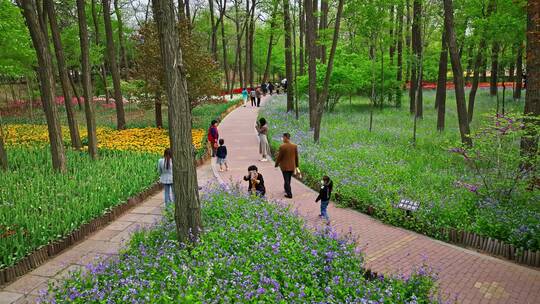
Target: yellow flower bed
151 140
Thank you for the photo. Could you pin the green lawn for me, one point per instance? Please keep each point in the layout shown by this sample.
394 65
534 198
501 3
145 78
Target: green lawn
381 167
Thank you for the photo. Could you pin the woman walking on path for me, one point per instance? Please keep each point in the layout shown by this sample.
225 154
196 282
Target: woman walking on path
213 136
264 146
244 95
164 167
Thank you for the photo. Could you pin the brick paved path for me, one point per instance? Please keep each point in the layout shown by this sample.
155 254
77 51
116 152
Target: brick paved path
470 276
100 245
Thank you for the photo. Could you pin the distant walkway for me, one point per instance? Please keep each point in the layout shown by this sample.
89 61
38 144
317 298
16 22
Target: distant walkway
470 276
101 245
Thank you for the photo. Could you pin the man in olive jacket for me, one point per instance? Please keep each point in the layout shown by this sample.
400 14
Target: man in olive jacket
287 160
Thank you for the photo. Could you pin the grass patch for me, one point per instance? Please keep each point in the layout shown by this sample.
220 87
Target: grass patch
381 167
38 205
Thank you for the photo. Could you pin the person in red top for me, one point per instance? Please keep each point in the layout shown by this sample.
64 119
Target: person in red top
213 137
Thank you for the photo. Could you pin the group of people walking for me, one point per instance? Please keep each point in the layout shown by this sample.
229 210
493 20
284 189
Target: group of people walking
255 94
287 161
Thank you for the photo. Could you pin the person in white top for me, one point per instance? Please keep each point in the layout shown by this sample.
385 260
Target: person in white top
164 167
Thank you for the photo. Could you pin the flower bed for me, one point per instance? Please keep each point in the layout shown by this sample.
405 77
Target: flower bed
251 251
148 140
374 170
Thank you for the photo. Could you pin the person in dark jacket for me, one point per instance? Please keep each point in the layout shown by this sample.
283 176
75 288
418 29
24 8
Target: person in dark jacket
324 196
221 154
213 136
256 181
270 87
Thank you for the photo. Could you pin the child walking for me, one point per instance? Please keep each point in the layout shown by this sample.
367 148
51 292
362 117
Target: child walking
324 196
221 154
164 167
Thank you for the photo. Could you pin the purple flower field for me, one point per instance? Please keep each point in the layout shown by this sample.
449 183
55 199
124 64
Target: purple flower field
251 251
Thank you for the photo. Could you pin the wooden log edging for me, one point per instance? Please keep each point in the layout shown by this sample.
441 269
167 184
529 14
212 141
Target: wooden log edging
39 256
492 246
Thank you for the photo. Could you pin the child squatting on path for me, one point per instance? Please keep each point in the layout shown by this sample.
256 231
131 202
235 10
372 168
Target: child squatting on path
164 167
324 196
221 154
256 181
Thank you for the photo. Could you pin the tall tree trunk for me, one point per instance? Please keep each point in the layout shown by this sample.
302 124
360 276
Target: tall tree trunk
103 74
214 25
270 42
302 22
323 25
511 75
121 42
230 89
399 34
457 72
312 60
111 57
519 72
251 41
239 34
440 98
324 94
158 111
47 85
74 88
393 42
187 213
62 71
181 11
188 13
224 43
469 64
408 50
494 69
416 77
288 56
316 14
484 70
268 57
87 80
476 75
529 141
479 63
246 41
295 60
381 96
